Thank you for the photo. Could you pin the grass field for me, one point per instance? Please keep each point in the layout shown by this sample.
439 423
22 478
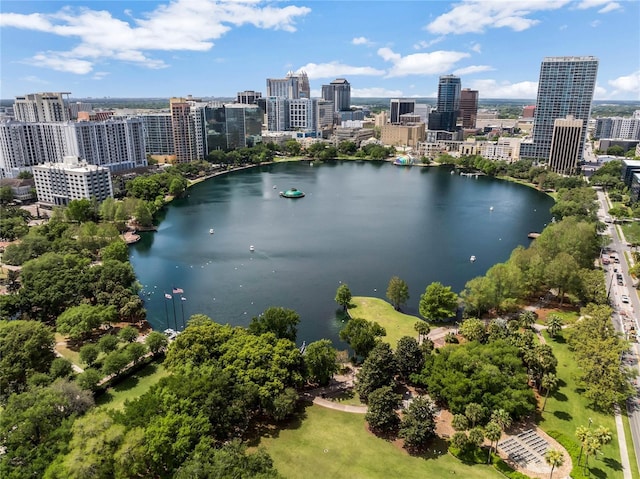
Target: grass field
631 232
132 387
67 353
567 409
396 324
336 445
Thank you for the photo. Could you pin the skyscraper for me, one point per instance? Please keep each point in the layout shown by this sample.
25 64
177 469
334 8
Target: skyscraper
338 92
293 86
448 107
400 106
184 130
468 107
38 107
566 144
565 87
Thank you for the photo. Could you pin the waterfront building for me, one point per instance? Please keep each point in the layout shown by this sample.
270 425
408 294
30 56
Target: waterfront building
41 107
566 144
400 106
243 125
72 179
468 107
402 135
158 133
422 110
565 87
339 93
448 106
184 130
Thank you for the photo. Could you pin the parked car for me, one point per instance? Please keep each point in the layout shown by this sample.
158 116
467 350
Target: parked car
625 298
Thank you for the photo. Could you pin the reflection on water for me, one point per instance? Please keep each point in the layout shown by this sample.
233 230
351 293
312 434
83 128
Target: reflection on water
360 224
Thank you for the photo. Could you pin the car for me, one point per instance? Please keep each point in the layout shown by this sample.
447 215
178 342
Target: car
625 298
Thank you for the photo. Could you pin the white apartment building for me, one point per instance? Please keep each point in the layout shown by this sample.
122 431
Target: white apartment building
59 183
116 144
41 107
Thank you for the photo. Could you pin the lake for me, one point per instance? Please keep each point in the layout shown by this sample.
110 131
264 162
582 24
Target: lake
360 223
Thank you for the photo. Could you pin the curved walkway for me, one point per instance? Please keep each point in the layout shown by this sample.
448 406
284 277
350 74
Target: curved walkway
339 407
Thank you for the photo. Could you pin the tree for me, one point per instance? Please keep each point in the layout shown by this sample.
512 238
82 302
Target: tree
282 322
361 335
26 347
6 195
108 343
561 273
116 250
438 302
479 295
78 322
476 436
423 329
89 353
473 329
284 404
408 356
60 368
460 440
554 325
591 447
128 334
493 432
81 210
554 458
582 433
320 361
378 370
89 379
502 418
527 319
418 424
549 384
156 342
602 434
134 351
114 362
475 412
460 422
381 413
343 296
397 292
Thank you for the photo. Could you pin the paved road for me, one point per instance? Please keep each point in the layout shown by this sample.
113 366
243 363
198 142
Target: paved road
625 320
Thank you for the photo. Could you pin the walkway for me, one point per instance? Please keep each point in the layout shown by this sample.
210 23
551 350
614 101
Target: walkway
622 443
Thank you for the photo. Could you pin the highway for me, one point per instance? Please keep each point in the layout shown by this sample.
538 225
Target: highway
625 316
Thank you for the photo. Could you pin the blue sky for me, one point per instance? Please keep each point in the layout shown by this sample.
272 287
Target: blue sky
383 48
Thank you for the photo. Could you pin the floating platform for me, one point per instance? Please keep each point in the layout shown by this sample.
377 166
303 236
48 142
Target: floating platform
292 193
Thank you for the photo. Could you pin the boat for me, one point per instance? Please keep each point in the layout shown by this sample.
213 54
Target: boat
491 208
274 187
533 235
292 193
472 259
252 248
452 172
211 231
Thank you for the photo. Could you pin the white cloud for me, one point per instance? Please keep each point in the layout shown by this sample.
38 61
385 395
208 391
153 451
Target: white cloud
476 48
361 41
420 63
595 23
610 7
473 69
375 92
627 85
422 44
475 16
99 75
35 79
505 89
179 25
600 93
336 69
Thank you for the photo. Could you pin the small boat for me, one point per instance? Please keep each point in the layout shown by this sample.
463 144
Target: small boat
491 208
274 187
533 235
452 172
211 231
292 193
472 259
252 248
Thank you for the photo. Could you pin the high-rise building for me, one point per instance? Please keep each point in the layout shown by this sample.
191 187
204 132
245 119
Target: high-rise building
468 107
72 179
293 86
184 130
566 145
565 87
158 133
400 106
448 108
248 97
243 125
41 107
617 127
338 92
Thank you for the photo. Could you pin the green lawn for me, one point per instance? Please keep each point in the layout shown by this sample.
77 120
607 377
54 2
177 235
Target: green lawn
629 439
567 409
67 353
336 445
132 387
631 232
568 317
396 324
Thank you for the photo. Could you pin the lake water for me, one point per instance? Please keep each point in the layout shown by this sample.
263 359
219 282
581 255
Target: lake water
360 223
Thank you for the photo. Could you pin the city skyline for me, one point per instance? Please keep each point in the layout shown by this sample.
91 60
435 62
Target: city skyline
384 49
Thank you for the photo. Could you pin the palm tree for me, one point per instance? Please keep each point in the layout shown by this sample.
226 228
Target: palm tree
554 325
603 435
460 422
493 432
502 418
549 383
554 458
591 447
423 329
474 412
527 319
582 433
